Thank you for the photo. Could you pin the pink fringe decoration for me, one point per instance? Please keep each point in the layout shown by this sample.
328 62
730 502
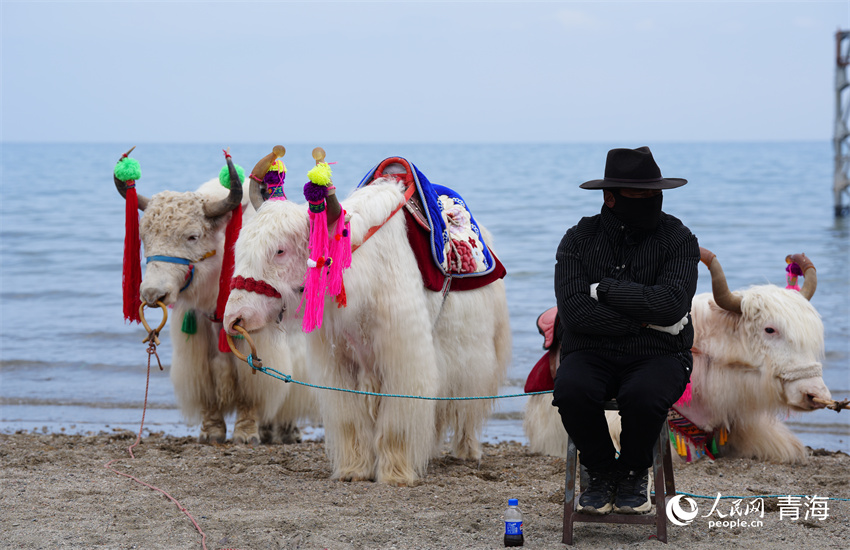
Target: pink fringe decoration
316 279
340 253
686 396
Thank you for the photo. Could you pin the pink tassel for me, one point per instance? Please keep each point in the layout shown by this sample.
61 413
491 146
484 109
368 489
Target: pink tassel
316 279
340 253
686 396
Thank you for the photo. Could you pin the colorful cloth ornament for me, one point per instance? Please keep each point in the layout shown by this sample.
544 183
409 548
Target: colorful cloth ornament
231 233
691 442
792 271
330 255
128 171
274 180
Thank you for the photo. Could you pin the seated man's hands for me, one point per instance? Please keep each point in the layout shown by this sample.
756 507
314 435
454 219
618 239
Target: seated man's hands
672 329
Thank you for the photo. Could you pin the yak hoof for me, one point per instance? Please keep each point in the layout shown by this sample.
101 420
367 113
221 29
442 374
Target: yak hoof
275 434
207 438
250 440
289 433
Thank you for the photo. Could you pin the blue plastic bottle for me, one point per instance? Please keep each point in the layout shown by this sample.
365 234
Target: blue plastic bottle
513 524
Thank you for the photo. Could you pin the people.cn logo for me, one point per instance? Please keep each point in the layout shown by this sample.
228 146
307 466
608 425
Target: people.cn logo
677 515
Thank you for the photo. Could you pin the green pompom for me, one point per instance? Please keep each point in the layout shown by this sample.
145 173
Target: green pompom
128 169
321 174
190 322
224 175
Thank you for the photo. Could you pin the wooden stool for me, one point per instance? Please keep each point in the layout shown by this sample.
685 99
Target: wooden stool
662 473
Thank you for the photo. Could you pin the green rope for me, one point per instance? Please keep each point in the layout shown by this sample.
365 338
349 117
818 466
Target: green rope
287 378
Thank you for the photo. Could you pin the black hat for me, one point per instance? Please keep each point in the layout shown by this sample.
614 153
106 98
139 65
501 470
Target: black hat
635 169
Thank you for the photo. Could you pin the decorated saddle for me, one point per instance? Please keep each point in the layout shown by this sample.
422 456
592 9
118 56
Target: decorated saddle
441 230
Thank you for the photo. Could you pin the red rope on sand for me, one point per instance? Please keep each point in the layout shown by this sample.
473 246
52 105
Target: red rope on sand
108 466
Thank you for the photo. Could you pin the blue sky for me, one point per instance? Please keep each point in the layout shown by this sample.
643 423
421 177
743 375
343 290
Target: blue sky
418 71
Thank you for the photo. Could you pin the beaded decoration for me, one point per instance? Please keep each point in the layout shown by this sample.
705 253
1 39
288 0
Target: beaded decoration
274 178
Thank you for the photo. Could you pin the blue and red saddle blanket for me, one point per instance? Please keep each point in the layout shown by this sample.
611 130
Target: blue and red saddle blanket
442 232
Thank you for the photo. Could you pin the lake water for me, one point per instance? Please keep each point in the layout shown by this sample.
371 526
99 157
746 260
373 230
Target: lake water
69 363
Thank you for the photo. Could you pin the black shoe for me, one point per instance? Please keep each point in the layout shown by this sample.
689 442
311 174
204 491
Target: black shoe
633 493
598 499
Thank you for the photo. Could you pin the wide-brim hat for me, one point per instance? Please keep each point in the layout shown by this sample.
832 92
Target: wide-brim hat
635 169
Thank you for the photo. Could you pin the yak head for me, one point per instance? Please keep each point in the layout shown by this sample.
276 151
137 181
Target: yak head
771 337
270 265
183 239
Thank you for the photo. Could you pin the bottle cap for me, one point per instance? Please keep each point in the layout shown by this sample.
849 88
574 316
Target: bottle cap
513 502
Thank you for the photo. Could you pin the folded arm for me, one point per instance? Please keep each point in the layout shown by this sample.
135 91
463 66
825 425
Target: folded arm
576 308
668 300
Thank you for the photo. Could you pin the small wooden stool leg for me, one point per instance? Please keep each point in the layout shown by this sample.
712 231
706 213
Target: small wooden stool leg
570 492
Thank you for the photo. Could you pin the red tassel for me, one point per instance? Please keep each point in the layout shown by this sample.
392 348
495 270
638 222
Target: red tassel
223 346
341 298
131 277
230 236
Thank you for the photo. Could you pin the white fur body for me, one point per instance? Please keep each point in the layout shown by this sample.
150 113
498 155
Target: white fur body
209 384
393 337
750 370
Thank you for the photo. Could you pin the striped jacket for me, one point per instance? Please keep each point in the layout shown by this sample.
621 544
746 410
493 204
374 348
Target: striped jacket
644 278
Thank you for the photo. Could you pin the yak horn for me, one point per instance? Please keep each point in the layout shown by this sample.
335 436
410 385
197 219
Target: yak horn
333 205
722 295
233 199
256 188
809 272
122 186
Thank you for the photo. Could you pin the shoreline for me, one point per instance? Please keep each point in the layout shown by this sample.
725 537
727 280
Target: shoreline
57 492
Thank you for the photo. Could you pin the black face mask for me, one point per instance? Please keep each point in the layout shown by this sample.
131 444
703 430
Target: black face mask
640 214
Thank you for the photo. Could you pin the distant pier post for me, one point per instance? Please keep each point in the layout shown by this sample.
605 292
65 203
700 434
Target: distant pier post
842 109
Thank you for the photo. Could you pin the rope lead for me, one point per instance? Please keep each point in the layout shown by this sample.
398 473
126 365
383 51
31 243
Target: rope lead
287 378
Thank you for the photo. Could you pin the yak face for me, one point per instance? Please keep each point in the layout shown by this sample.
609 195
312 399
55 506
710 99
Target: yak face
778 339
174 224
273 249
791 342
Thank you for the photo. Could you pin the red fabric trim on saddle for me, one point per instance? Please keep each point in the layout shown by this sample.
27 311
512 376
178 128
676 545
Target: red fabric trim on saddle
540 377
546 325
432 277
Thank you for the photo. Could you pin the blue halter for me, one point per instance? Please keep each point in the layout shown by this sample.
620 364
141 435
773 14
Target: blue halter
182 261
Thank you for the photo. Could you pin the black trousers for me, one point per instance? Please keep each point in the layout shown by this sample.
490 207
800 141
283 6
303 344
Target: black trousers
645 388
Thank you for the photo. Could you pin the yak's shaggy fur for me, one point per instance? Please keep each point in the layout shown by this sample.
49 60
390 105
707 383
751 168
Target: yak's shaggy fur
394 337
209 384
750 370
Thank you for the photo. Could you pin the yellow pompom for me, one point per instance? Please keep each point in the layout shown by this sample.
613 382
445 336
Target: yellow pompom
277 166
321 174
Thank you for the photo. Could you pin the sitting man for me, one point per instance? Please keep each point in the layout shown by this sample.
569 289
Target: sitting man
624 281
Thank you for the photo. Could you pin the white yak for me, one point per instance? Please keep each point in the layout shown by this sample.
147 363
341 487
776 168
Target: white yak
209 384
394 336
757 358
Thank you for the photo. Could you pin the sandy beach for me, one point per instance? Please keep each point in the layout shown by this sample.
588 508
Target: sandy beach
58 492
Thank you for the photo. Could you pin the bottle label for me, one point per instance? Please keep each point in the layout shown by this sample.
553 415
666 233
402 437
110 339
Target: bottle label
513 527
